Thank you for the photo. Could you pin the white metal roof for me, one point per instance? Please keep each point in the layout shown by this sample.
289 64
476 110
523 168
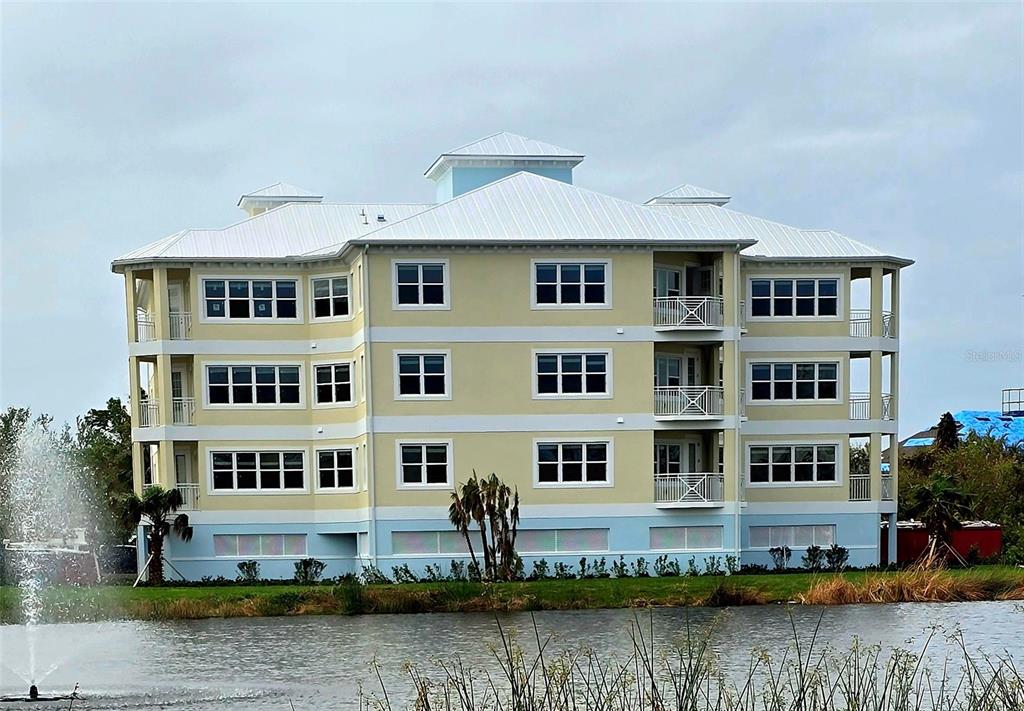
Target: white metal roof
774 239
505 146
529 207
290 230
687 193
278 190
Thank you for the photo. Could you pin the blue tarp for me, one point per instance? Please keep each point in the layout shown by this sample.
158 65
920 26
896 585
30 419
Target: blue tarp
984 423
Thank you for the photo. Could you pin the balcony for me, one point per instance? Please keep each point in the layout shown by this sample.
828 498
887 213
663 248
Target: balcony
149 413
887 489
183 410
860 488
689 312
860 323
189 496
145 327
181 325
693 402
860 406
680 491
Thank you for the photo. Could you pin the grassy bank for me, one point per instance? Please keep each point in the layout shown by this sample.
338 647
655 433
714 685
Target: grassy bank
104 603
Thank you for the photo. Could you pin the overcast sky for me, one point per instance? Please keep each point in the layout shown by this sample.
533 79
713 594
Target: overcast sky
898 125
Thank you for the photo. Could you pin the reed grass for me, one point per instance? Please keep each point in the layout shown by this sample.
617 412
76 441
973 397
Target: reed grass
923 583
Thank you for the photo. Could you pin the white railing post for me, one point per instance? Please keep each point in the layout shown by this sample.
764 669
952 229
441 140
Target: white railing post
149 413
189 496
183 410
860 488
181 325
860 406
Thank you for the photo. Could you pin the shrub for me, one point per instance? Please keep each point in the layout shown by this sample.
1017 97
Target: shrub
712 565
563 572
372 575
753 569
780 556
814 558
640 568
474 571
585 571
308 571
665 568
601 568
349 592
433 574
249 571
691 567
619 567
836 557
457 570
732 564
541 570
403 574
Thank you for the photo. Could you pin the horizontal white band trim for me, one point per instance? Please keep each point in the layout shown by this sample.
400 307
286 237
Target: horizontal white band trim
285 516
843 344
245 433
817 427
515 334
540 423
812 508
232 347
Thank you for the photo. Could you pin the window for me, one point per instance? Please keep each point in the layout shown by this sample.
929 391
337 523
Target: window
250 298
330 297
422 375
794 381
792 536
573 463
793 463
424 464
251 545
257 471
428 543
668 458
336 468
333 383
421 284
573 374
253 385
570 284
567 540
683 538
794 297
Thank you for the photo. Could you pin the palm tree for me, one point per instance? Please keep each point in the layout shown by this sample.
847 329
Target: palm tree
940 504
155 507
460 518
490 504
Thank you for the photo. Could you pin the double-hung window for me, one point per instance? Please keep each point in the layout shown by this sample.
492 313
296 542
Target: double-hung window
422 375
794 381
333 383
250 299
331 297
257 471
424 464
421 285
792 464
583 374
573 463
336 468
253 385
794 297
579 284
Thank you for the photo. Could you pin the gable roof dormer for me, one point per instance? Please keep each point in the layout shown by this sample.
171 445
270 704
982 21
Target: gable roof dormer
274 195
687 194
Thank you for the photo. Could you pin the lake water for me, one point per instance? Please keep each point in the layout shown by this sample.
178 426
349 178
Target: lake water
321 662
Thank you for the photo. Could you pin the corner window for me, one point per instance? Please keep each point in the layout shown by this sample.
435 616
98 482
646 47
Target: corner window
424 464
421 375
336 468
578 463
794 297
794 381
257 471
572 374
421 284
792 464
333 383
250 299
570 284
253 385
330 297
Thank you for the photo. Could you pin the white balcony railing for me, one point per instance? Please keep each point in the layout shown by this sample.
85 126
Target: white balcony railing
181 325
183 410
189 495
743 316
860 323
693 401
149 413
683 490
743 403
689 311
887 406
145 327
887 492
860 406
860 488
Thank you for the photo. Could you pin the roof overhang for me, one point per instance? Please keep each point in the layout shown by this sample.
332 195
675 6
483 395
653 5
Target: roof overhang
898 262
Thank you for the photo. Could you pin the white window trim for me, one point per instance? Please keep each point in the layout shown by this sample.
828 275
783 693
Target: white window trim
354 395
681 442
288 556
315 468
609 464
841 456
609 379
200 298
832 524
421 352
573 307
351 298
446 284
402 486
300 405
839 399
208 459
841 287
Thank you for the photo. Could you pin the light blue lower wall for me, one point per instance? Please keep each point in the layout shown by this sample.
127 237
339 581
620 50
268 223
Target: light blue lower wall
628 536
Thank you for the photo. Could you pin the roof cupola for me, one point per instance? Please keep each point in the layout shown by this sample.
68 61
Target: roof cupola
274 195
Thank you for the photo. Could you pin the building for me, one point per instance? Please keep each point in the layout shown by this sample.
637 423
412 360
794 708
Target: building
1006 423
672 378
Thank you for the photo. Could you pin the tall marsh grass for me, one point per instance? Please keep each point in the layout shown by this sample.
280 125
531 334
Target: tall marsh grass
689 678
922 583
